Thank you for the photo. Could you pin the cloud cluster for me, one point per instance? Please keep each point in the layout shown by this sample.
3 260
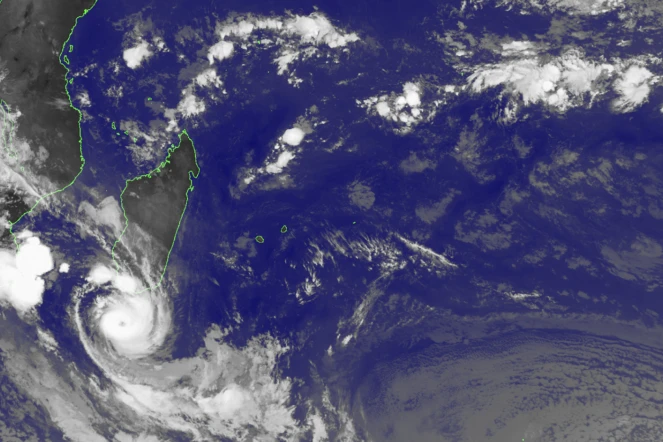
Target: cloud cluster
21 283
400 108
190 105
296 38
633 88
286 148
576 7
405 109
313 29
566 81
207 78
560 83
220 51
293 136
135 55
142 50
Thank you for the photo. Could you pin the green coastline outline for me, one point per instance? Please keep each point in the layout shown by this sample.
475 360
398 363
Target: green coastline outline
148 175
80 136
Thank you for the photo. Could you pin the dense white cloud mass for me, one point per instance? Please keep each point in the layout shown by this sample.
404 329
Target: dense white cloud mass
564 82
560 83
133 320
135 324
293 136
20 281
134 56
220 51
100 275
280 163
633 88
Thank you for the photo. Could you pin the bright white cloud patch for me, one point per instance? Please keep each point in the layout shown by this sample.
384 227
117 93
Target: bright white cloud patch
83 99
208 77
220 51
518 48
133 320
280 163
100 275
20 281
633 88
404 109
293 136
64 268
317 29
129 322
533 82
190 105
133 57
564 82
297 38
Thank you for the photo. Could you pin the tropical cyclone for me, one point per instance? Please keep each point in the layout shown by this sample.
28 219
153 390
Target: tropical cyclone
154 205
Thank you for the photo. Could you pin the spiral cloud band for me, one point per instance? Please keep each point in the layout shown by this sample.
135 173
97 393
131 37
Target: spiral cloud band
135 322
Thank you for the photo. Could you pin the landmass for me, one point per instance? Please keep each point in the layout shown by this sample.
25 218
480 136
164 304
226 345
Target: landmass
32 35
154 203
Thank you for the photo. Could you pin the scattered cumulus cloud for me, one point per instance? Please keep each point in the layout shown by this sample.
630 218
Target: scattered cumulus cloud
295 38
405 109
83 99
400 108
314 29
576 7
208 77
